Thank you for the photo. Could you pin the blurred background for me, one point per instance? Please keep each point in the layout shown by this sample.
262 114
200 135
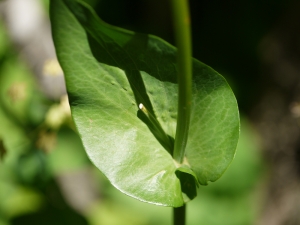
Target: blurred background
45 175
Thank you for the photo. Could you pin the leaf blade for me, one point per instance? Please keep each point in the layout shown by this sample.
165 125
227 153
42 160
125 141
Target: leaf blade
109 72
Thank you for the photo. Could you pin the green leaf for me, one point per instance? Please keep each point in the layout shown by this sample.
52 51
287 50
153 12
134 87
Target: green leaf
188 182
68 146
109 73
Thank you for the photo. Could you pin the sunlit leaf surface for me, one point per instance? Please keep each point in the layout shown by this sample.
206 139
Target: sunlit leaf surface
109 73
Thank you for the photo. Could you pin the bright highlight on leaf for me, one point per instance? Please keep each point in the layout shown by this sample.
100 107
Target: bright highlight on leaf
109 71
141 106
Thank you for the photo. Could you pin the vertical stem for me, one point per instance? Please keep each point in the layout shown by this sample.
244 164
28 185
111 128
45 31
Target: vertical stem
181 20
179 215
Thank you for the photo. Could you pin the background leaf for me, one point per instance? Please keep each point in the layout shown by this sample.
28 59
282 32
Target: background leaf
109 72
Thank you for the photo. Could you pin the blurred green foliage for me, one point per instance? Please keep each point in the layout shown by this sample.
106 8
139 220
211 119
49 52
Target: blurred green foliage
34 155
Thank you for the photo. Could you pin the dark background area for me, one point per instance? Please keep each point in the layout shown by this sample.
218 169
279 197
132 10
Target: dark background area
226 34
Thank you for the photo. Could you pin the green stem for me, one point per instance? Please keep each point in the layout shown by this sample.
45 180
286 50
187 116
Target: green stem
179 215
181 20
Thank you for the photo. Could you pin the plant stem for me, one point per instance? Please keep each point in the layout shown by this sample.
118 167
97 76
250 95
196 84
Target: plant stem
181 20
179 215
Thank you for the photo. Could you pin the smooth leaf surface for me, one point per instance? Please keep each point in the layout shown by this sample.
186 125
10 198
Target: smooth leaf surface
109 73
